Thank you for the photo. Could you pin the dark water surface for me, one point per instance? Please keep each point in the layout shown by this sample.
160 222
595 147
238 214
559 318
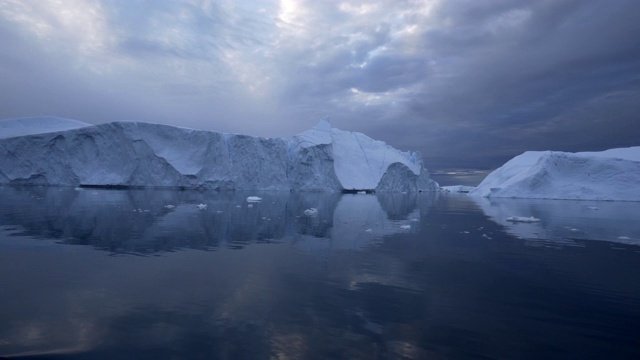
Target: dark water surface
110 274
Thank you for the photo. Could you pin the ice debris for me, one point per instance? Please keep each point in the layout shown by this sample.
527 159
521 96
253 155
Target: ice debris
311 212
522 219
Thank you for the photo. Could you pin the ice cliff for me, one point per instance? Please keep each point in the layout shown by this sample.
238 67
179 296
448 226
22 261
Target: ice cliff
607 175
136 154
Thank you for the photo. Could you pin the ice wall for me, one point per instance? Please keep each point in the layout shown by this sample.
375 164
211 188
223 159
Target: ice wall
136 154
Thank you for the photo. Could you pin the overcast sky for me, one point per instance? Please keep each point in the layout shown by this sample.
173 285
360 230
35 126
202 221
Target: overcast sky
469 84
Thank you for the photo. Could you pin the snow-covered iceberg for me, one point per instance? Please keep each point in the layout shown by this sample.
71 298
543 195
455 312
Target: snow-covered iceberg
37 125
607 175
137 154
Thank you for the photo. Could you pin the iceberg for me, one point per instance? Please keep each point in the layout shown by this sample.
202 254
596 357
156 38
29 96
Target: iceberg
37 125
138 154
607 175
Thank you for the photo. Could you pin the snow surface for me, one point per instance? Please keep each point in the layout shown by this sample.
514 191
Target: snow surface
608 175
153 155
36 125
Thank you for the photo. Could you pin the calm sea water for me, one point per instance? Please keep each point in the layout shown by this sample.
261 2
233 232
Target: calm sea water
109 274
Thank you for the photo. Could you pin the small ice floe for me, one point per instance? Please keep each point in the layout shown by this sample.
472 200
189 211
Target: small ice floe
624 238
405 227
368 230
250 205
414 219
486 236
311 212
522 219
254 199
219 211
464 232
238 206
593 208
78 189
361 193
574 229
202 206
169 206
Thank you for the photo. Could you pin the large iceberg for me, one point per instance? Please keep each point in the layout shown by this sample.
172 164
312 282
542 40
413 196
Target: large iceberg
607 175
137 154
37 125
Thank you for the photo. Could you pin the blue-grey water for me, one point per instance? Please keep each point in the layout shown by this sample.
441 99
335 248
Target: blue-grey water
114 274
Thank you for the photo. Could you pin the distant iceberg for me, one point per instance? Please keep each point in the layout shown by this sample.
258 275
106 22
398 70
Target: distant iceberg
137 154
607 175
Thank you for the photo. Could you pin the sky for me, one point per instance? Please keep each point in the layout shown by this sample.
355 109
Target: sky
468 83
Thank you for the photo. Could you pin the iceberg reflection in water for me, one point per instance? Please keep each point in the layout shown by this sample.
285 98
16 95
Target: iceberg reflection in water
566 221
147 221
384 276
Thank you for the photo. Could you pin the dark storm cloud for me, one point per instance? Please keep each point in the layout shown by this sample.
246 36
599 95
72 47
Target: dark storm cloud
467 83
525 90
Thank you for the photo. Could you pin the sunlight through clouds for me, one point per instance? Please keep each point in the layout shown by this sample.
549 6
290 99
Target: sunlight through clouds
453 69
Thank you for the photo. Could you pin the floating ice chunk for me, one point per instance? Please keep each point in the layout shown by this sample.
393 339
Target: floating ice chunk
405 227
250 205
361 193
457 188
368 230
202 206
311 212
624 238
523 219
169 206
254 199
593 208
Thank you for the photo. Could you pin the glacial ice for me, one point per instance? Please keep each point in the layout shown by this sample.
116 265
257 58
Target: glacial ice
36 125
137 154
607 175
